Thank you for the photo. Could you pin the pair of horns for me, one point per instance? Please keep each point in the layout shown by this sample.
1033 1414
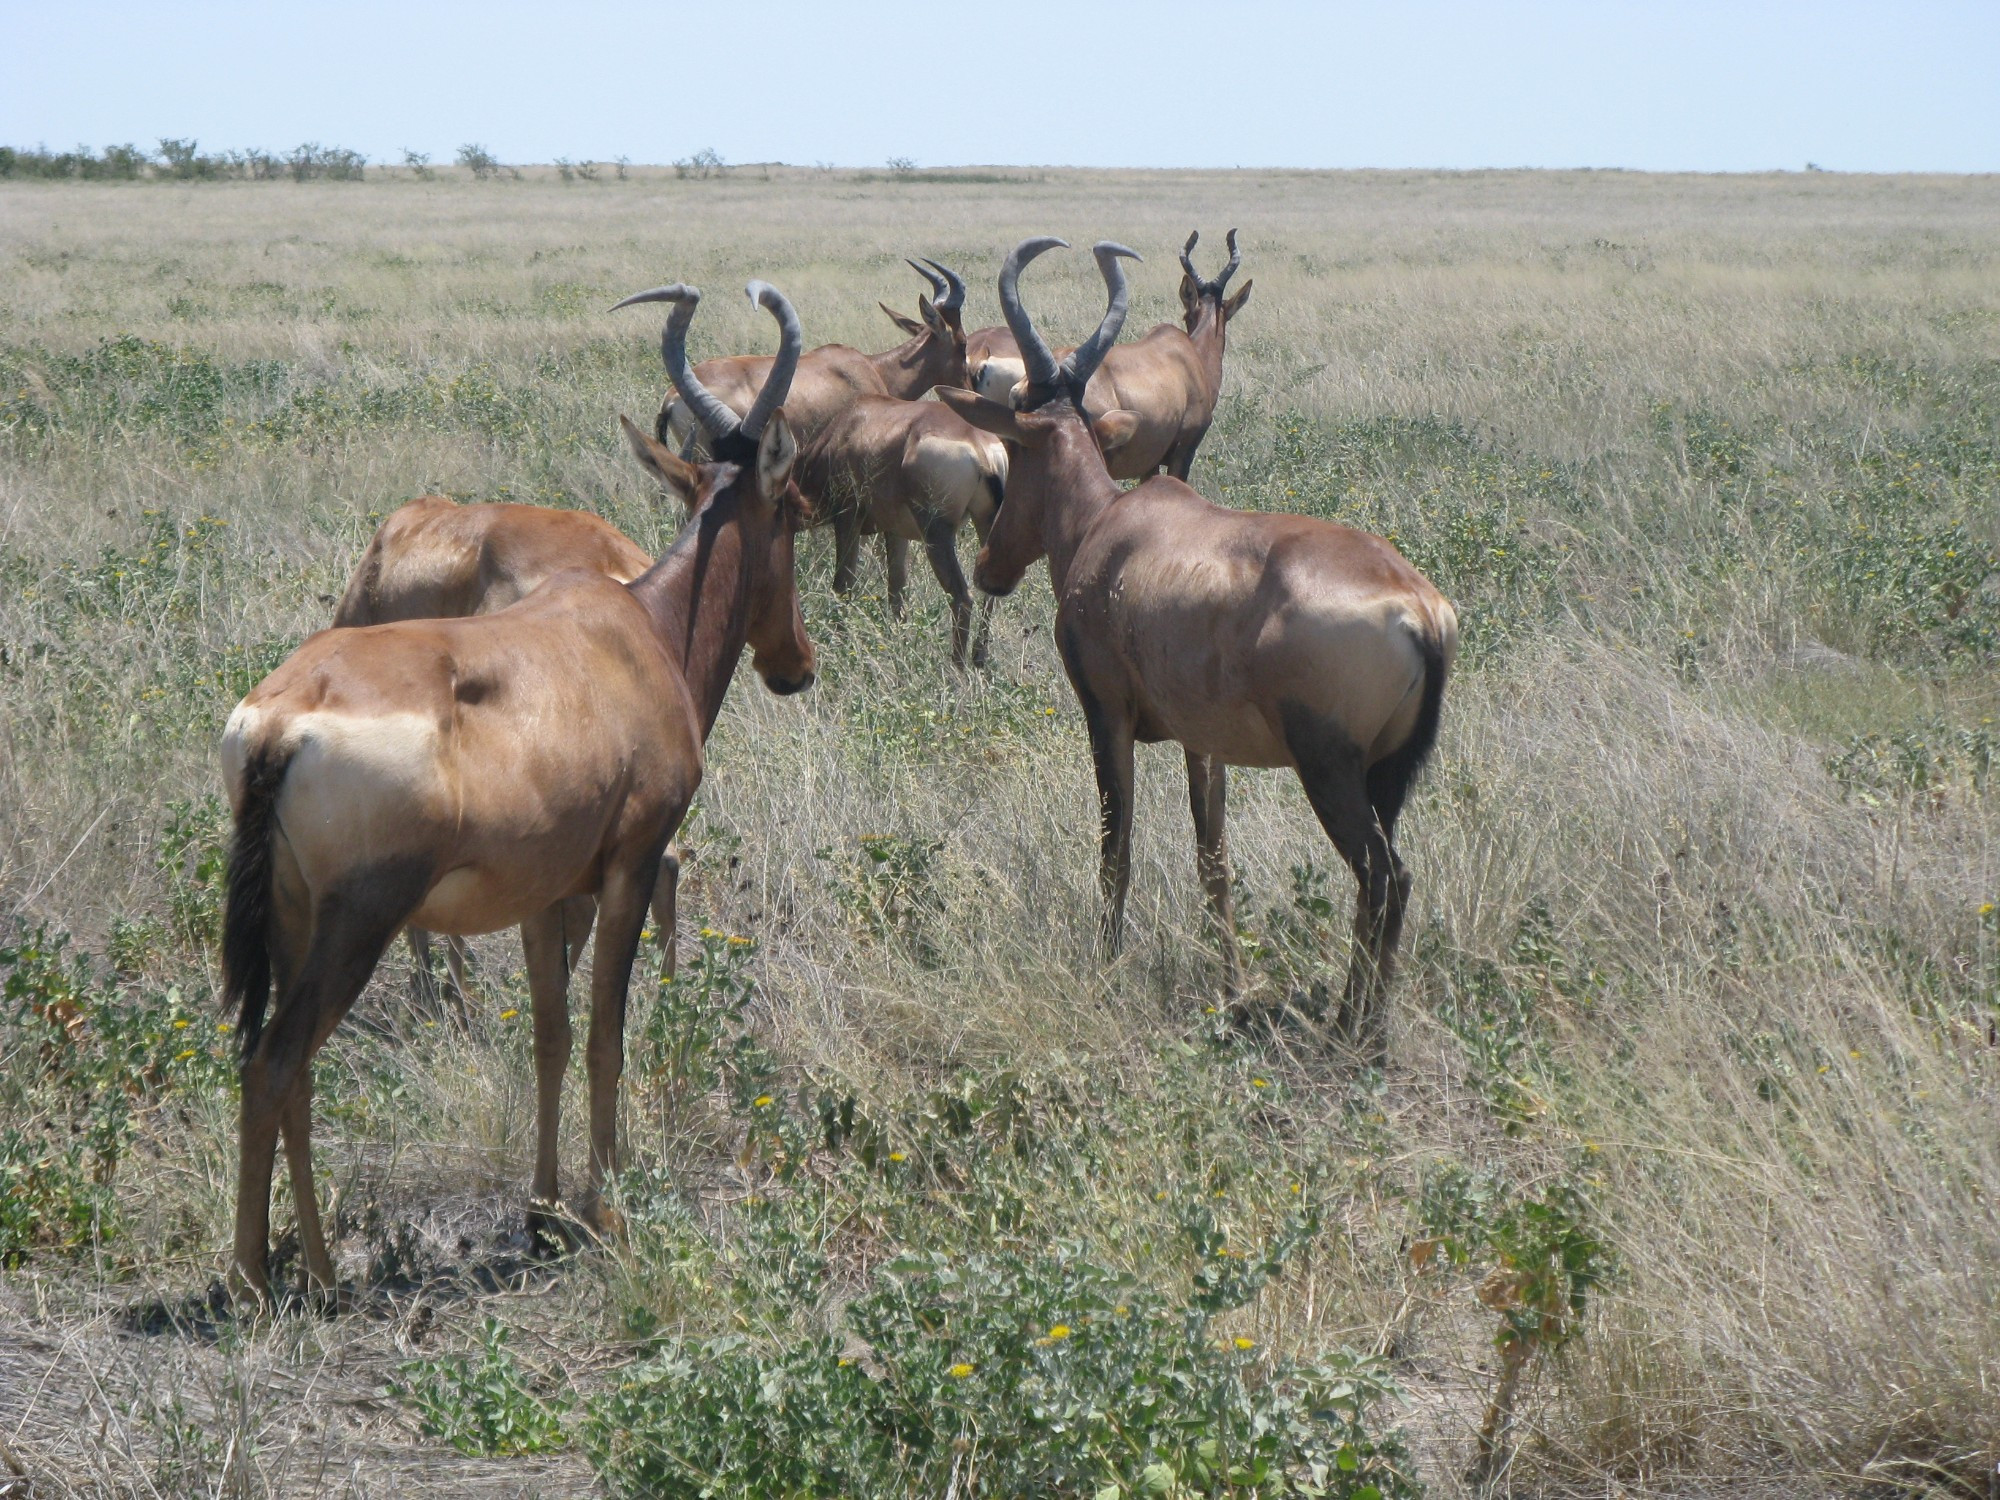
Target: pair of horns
947 286
1042 367
721 422
1210 288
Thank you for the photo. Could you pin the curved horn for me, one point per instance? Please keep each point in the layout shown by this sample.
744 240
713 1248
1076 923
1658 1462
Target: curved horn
778 384
1035 353
954 296
720 421
1187 257
938 284
1229 270
1086 356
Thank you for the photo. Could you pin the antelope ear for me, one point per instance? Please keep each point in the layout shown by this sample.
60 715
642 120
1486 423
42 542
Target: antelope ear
987 416
1190 291
665 465
775 452
1114 430
908 324
1235 304
933 319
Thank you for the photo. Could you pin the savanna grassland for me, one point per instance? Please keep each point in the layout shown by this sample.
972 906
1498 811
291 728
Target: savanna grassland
1690 1136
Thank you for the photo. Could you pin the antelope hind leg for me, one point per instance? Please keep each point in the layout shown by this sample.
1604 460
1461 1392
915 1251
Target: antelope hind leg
352 927
1330 768
1208 787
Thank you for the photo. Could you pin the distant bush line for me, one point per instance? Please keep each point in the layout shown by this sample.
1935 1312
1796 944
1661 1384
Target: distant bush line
183 161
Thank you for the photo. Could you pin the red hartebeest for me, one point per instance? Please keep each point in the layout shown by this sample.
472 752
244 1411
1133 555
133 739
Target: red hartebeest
1252 640
831 377
436 559
1169 381
909 471
465 775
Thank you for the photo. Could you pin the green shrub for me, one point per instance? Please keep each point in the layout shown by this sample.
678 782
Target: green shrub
90 1056
485 1408
1001 1375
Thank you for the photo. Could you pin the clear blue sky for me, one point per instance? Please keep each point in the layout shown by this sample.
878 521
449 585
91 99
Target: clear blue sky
1913 85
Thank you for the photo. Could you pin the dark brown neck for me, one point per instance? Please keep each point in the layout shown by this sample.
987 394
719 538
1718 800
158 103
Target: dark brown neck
698 594
909 370
1079 487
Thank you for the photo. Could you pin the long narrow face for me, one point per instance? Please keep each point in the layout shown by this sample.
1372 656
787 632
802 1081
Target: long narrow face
780 651
1015 542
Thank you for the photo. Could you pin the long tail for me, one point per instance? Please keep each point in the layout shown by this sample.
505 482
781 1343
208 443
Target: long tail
246 909
1390 778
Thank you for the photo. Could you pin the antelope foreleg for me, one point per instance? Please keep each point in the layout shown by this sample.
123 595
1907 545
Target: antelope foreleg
1111 752
621 917
542 942
896 563
666 911
846 547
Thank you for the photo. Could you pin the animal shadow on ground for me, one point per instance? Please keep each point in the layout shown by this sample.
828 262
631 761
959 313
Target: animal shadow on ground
404 1275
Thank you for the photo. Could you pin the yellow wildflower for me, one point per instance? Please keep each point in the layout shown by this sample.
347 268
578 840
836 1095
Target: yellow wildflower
1246 1344
762 1101
1060 1331
897 1156
508 1015
184 1056
182 1024
959 1371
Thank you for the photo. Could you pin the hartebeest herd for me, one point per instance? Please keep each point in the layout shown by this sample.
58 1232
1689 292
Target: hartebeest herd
506 724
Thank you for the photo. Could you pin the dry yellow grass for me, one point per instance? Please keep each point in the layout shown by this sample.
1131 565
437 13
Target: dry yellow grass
1638 420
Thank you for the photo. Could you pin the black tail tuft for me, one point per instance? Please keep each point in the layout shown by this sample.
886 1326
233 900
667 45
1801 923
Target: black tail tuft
246 909
1390 778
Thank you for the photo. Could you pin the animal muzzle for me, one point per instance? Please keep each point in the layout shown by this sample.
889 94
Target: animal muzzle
984 579
784 686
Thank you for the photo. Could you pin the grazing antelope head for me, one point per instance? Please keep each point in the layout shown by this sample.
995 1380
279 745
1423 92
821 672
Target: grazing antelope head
770 509
1053 442
1199 297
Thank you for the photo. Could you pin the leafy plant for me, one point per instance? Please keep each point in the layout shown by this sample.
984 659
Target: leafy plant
1000 1375
485 1408
890 890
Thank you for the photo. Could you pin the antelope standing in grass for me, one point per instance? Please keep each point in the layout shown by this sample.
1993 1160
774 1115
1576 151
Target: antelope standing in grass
465 775
908 471
1252 640
831 377
1169 381
435 559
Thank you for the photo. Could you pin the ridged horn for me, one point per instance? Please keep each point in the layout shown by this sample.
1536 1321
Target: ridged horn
1215 287
954 294
1088 355
721 422
1229 270
939 286
1035 353
778 384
